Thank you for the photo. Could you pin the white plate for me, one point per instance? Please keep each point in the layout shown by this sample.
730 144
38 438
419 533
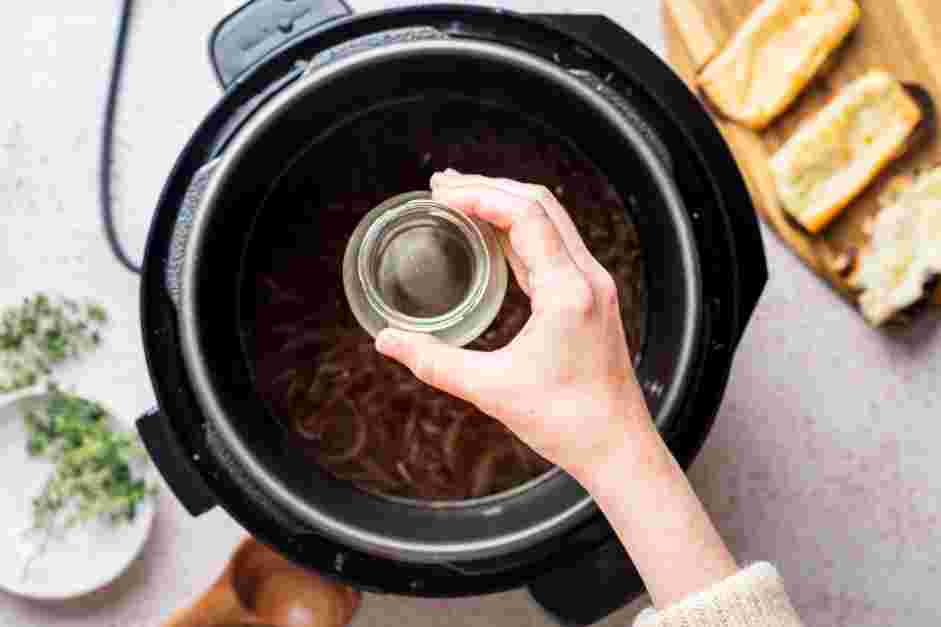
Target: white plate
82 560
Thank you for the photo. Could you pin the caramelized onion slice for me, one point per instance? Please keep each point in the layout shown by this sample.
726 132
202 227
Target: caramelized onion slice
485 470
451 438
358 444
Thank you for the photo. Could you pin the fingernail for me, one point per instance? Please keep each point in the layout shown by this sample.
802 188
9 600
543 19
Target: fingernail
388 340
436 178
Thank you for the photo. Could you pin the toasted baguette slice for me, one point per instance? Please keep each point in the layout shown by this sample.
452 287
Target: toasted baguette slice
835 155
773 56
904 253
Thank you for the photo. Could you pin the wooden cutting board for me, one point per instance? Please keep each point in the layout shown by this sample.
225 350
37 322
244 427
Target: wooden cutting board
900 36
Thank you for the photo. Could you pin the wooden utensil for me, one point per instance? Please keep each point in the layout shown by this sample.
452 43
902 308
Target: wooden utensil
260 587
902 37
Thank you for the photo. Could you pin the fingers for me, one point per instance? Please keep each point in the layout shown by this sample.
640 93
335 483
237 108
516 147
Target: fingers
470 375
516 264
546 199
532 233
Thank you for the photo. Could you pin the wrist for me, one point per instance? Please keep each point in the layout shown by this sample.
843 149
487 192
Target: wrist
649 502
629 453
626 435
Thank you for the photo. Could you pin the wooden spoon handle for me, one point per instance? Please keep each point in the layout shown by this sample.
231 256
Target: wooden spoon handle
218 607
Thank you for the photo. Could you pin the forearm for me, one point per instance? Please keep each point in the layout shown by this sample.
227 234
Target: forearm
556 384
657 516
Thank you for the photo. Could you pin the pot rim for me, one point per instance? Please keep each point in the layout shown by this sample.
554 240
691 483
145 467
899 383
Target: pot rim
198 369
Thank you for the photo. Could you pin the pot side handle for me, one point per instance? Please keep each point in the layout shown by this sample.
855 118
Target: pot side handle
259 27
601 582
174 463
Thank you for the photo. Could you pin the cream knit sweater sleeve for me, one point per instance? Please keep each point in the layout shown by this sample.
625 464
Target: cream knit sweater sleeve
753 597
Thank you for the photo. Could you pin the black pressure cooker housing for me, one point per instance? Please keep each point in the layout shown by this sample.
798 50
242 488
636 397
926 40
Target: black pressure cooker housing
266 46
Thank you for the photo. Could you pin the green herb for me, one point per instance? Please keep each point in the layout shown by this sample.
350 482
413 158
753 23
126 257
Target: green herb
43 332
92 477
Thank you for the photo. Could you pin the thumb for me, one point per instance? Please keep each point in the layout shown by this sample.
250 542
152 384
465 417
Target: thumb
459 372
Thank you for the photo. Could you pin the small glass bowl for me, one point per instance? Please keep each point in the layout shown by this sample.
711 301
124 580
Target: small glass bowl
416 264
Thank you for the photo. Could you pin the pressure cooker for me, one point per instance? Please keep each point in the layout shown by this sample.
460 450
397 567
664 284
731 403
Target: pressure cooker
295 71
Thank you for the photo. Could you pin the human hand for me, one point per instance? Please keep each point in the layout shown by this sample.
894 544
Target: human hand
565 385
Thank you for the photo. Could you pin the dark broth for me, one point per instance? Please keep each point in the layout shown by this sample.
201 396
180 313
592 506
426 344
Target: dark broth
359 415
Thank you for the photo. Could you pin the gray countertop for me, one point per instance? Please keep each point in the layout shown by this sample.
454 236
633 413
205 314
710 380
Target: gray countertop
824 459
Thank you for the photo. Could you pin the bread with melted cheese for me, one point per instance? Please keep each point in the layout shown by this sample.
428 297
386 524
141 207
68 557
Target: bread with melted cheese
838 152
774 55
904 253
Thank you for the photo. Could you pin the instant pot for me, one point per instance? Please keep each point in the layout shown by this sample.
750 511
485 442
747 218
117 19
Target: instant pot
295 71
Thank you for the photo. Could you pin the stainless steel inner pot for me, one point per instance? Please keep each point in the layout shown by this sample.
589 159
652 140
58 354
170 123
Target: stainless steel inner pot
409 62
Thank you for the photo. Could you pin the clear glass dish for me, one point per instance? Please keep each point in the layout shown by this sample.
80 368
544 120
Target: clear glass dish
419 265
